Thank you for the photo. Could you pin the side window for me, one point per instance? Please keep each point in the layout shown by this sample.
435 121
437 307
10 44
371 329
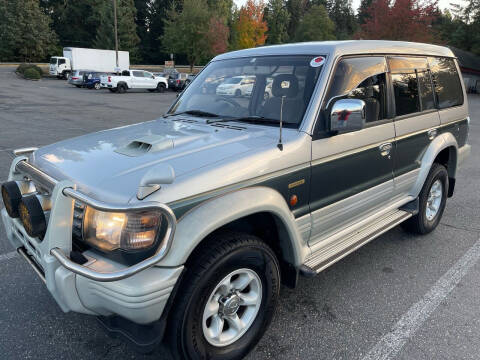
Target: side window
137 73
372 91
61 61
405 87
412 85
360 78
448 88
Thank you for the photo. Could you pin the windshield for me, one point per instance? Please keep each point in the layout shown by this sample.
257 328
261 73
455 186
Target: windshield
53 61
264 82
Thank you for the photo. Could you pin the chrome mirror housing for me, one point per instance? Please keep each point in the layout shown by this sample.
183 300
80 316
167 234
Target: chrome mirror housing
347 115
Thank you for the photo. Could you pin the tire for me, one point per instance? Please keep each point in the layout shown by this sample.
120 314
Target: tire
427 220
78 86
230 255
238 93
160 87
121 88
97 86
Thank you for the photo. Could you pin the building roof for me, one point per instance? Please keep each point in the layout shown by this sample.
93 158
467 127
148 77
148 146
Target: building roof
466 59
348 47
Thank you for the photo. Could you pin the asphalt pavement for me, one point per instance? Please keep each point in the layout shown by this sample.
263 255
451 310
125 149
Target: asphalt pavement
399 297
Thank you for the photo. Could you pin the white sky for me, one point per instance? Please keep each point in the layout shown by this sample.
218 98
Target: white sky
443 4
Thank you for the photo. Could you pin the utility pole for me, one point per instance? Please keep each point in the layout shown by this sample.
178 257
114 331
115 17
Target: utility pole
116 32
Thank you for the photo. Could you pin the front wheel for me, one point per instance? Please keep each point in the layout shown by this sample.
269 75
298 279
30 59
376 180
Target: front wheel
227 299
97 86
432 201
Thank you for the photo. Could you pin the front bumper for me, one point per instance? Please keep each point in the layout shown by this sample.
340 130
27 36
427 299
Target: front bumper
100 286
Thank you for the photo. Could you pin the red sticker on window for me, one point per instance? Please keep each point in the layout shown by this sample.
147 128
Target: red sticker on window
317 61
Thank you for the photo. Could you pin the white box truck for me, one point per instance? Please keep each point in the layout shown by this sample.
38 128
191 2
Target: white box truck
88 59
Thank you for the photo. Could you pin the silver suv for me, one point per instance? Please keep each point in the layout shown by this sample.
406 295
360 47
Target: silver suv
195 219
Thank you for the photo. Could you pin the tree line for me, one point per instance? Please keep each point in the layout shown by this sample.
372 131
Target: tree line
196 30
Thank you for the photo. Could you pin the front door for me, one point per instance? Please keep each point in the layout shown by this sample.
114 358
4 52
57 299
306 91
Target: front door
352 172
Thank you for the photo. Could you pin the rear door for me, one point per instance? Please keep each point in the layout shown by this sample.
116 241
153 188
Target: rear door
416 117
352 172
138 81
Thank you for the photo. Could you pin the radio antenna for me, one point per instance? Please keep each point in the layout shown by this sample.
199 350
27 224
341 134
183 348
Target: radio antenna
280 144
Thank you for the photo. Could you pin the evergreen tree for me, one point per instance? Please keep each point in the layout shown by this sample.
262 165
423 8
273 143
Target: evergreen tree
296 9
363 11
8 30
277 17
72 21
341 13
315 25
128 38
185 31
25 31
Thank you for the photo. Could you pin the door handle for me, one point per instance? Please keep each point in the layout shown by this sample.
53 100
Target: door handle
432 133
385 149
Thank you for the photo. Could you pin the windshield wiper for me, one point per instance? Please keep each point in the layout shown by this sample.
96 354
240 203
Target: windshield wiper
255 119
193 112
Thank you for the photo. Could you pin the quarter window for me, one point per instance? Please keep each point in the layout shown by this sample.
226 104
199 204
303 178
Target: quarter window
448 88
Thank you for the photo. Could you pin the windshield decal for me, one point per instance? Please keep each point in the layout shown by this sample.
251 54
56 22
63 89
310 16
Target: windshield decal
317 61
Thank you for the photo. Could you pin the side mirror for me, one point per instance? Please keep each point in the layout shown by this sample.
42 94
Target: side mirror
347 115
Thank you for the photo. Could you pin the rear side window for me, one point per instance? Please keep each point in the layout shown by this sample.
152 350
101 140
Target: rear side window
448 88
137 73
405 87
412 85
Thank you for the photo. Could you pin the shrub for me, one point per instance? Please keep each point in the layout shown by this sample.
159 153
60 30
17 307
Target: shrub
38 68
31 73
24 67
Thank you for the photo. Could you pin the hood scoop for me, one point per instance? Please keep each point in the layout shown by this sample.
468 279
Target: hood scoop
146 144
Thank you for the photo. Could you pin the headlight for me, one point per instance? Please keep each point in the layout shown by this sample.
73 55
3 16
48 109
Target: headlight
109 231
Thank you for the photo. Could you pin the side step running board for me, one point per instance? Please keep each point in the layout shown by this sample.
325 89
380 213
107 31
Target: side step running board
331 253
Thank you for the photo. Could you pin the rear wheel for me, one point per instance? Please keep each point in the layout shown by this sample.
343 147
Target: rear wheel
121 88
227 299
161 87
432 201
238 93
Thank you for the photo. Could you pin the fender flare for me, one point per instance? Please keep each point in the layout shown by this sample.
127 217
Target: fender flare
212 214
440 143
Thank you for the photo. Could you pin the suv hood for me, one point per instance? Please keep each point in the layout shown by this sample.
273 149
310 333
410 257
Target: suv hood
110 164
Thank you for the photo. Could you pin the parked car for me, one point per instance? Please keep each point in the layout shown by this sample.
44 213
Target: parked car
133 79
190 78
188 225
177 81
236 86
76 77
92 80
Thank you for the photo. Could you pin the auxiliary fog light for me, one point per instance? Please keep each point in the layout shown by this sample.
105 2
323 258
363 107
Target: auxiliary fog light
12 192
32 213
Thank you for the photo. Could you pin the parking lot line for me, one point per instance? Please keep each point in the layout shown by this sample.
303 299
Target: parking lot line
390 344
8 256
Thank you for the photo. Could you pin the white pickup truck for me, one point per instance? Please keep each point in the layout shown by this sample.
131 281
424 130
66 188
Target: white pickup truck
133 79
